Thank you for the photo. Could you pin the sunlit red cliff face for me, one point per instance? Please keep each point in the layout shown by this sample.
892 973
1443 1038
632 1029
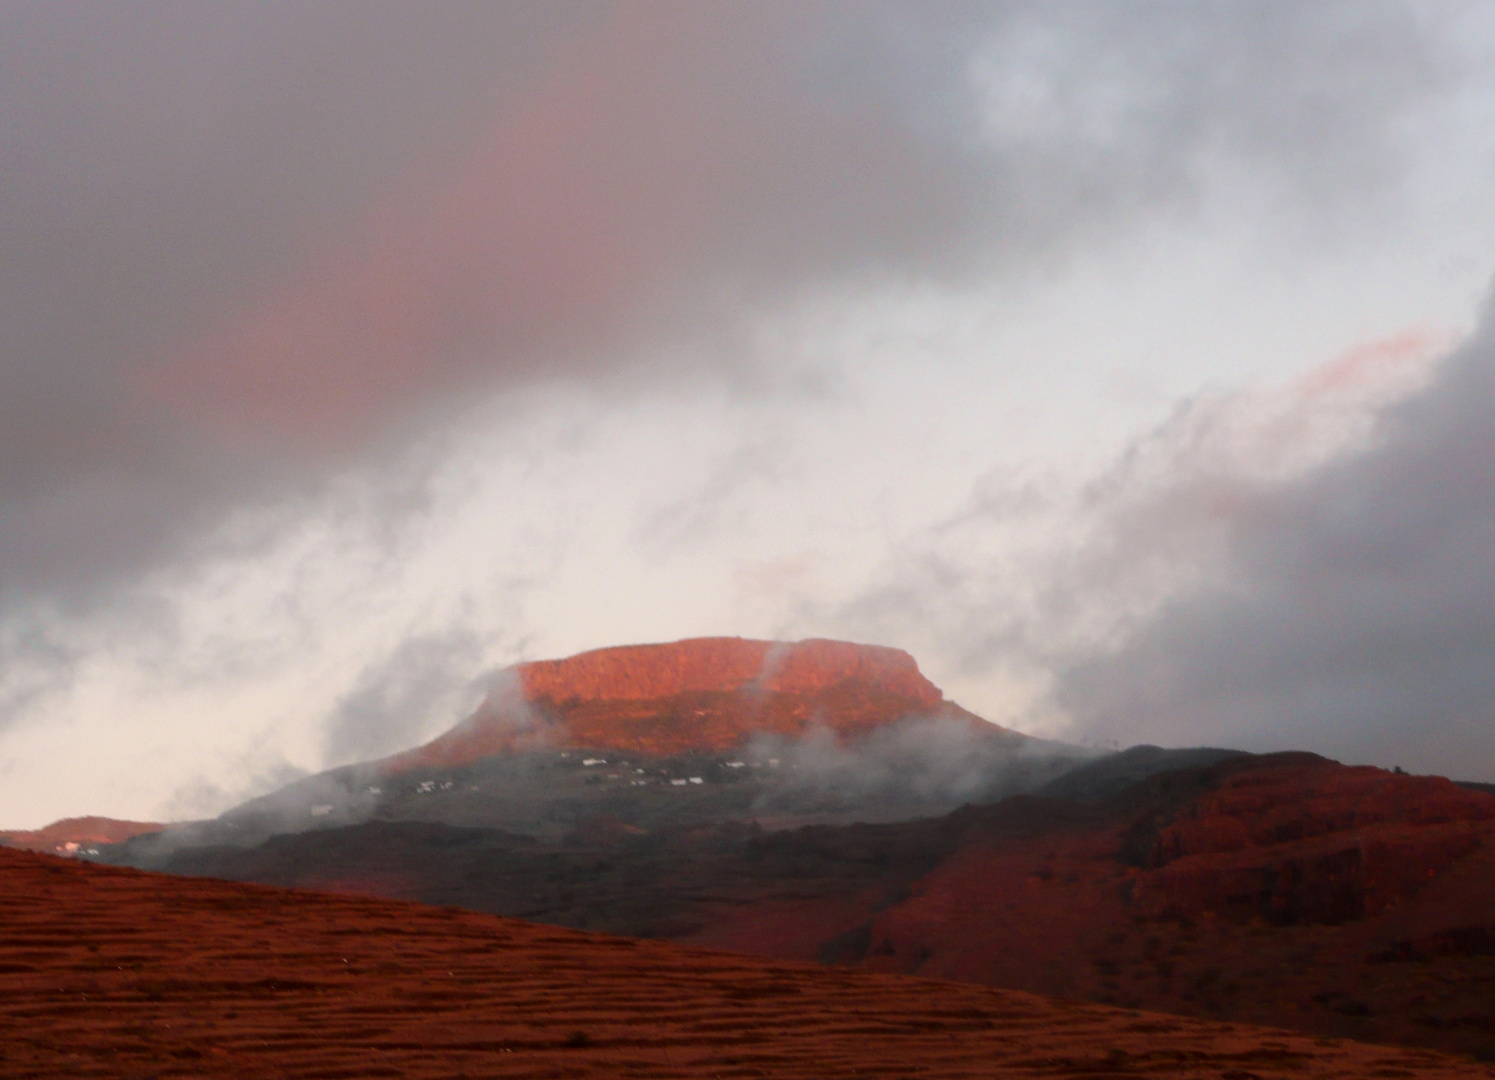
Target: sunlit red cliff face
701 695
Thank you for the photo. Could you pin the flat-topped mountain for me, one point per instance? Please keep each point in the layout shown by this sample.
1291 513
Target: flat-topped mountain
727 665
678 734
694 696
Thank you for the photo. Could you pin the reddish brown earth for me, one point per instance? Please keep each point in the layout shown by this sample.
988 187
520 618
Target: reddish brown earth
705 695
67 836
117 973
1285 890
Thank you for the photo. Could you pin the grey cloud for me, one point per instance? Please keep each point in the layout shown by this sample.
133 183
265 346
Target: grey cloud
395 699
920 765
1355 610
1121 103
199 798
164 164
243 244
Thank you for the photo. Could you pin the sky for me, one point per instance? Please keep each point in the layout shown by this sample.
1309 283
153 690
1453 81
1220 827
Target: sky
1130 364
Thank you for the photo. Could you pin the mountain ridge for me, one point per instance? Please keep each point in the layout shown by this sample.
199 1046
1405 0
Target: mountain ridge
71 836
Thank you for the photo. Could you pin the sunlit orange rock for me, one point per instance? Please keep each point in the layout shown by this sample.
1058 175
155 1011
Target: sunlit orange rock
723 665
700 695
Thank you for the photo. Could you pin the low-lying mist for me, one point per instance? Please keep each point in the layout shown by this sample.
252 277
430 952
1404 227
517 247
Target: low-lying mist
925 764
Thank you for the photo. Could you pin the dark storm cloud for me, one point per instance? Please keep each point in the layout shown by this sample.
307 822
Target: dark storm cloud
1356 614
243 244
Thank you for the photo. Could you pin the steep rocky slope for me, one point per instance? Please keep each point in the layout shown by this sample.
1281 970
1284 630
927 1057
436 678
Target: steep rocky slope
110 973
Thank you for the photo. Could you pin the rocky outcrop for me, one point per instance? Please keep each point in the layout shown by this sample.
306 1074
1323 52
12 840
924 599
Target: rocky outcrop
1285 889
705 695
1288 798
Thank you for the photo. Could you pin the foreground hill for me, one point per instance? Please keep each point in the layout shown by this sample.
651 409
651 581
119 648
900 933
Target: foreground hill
1282 889
109 972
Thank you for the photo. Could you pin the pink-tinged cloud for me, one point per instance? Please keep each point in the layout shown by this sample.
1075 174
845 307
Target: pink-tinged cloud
1356 613
244 243
669 155
469 271
1397 360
